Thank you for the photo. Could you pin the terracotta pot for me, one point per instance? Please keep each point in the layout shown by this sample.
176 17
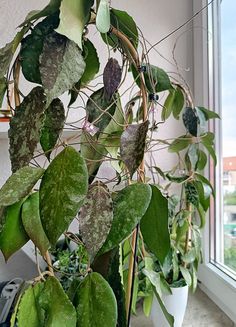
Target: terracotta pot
175 304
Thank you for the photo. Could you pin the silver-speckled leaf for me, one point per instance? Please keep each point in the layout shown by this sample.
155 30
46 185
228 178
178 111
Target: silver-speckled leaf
19 185
61 65
25 127
130 205
53 126
111 77
62 192
133 145
46 304
95 303
96 217
32 223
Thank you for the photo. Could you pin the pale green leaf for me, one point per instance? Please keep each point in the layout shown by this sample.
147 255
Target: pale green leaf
96 303
19 185
103 21
186 274
32 223
130 205
154 225
74 15
62 192
179 144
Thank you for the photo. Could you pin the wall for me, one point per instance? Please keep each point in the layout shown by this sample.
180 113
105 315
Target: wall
156 19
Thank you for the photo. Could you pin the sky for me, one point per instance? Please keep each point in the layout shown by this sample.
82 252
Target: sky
228 43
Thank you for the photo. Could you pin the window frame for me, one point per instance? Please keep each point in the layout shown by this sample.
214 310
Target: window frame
214 279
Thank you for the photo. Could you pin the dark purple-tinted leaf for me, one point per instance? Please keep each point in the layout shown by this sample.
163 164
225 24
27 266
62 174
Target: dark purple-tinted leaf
96 217
191 120
53 126
61 65
111 77
133 145
25 126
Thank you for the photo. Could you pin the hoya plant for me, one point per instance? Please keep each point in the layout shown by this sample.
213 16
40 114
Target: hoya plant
96 175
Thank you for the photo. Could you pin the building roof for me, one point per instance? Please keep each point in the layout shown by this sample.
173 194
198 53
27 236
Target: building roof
229 163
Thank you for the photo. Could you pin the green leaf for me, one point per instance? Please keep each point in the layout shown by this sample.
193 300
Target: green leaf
96 217
155 280
92 63
62 192
179 144
19 185
7 52
95 302
3 89
53 126
154 225
67 69
191 193
29 313
190 256
111 77
13 235
168 316
147 305
74 15
156 78
130 205
32 223
133 145
173 104
100 110
202 122
191 121
202 161
58 310
50 9
204 180
208 113
25 127
186 275
103 20
114 279
122 21
160 172
193 155
208 141
177 179
46 305
32 46
92 151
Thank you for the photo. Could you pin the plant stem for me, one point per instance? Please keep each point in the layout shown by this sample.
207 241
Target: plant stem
132 263
16 75
49 262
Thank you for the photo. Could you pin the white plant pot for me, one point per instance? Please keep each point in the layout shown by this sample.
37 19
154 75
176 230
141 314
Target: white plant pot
175 304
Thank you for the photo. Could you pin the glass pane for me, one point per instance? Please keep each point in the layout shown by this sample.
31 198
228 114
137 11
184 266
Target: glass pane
228 43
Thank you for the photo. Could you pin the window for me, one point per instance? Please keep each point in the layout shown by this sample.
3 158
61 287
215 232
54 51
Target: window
215 53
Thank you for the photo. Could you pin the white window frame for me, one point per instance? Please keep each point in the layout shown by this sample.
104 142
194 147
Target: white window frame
214 280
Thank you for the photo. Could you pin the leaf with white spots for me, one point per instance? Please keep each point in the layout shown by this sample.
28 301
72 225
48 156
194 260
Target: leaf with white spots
62 192
130 205
19 185
96 217
25 127
95 303
133 145
61 65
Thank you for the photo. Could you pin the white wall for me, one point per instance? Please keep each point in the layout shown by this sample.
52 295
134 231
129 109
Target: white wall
156 19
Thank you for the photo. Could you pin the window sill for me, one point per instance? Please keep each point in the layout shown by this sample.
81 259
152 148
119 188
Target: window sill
219 287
